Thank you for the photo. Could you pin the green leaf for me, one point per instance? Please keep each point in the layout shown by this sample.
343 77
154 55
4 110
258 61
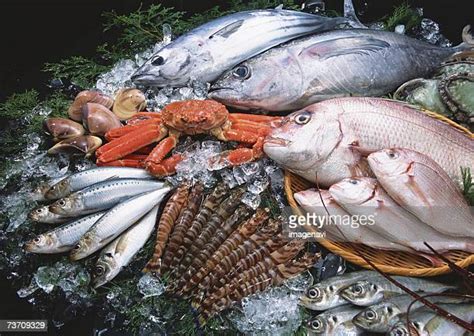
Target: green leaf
468 185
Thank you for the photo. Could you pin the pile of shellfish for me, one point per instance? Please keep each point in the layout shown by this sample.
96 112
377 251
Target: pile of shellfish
91 115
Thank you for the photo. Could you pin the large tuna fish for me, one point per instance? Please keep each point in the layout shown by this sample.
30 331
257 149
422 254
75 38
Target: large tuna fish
349 62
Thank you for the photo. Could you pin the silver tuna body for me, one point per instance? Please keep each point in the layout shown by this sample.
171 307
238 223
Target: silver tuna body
207 51
346 62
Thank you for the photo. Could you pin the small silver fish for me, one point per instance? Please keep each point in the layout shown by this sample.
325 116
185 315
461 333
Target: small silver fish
44 215
205 52
86 178
372 291
118 254
39 192
425 322
102 196
337 63
116 221
328 322
381 317
63 238
421 186
326 294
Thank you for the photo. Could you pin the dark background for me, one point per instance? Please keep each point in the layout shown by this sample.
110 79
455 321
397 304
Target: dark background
37 31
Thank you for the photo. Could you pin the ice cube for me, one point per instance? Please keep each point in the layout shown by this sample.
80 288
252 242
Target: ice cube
239 175
250 170
258 185
228 178
149 286
251 200
212 146
27 291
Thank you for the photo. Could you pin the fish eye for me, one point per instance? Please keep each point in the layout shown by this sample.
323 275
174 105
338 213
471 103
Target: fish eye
315 324
370 314
392 154
313 293
357 289
158 61
242 72
353 181
99 270
62 202
77 247
37 240
40 210
303 118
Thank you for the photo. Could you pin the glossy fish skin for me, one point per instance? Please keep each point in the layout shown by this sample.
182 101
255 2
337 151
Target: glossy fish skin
326 294
207 51
121 251
115 221
425 322
310 201
421 186
102 196
372 291
338 63
363 196
63 238
347 128
86 178
43 215
381 317
329 321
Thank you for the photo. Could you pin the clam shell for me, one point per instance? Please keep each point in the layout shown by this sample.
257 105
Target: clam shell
98 119
86 144
61 128
75 110
128 102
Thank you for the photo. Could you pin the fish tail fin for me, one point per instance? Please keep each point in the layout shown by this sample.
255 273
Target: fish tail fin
467 40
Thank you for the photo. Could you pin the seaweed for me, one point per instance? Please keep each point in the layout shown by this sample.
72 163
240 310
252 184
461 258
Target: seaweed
468 185
403 14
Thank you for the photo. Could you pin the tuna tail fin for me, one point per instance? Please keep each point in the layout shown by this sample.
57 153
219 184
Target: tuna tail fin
467 40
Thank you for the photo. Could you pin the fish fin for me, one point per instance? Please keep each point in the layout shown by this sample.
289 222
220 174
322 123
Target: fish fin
355 146
350 13
280 6
345 46
228 30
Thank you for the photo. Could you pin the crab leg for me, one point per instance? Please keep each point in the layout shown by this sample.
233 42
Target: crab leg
253 117
131 142
166 167
241 155
121 131
155 160
132 160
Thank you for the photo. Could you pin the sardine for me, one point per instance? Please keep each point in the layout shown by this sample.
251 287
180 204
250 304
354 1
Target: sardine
425 322
43 215
371 291
39 192
328 139
340 225
121 251
381 317
86 178
338 63
326 294
63 238
363 196
116 221
205 52
328 322
422 187
102 196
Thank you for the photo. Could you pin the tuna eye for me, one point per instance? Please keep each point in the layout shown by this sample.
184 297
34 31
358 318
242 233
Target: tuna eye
99 270
303 118
313 293
242 72
315 324
370 315
158 61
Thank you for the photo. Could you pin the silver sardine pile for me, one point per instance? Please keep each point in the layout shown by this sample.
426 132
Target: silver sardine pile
108 208
360 302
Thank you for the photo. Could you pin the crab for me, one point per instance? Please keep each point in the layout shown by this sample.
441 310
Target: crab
130 145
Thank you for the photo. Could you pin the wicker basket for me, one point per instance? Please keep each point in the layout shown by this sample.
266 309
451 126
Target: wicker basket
391 262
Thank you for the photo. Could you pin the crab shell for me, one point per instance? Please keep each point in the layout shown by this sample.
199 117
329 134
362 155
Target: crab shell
128 102
194 116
